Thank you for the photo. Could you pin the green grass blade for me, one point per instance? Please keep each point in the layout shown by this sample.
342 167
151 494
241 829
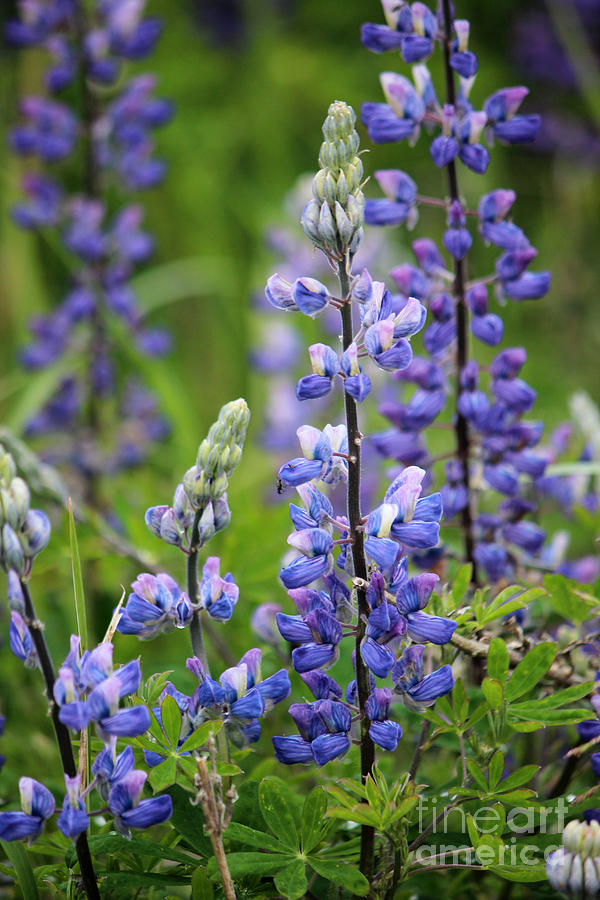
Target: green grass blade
17 855
80 612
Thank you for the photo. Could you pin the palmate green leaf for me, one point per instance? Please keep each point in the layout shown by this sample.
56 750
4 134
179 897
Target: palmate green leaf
164 774
509 607
313 817
170 715
517 778
530 670
227 768
252 838
361 813
241 864
278 812
344 874
459 700
498 660
567 598
477 774
16 853
200 736
291 880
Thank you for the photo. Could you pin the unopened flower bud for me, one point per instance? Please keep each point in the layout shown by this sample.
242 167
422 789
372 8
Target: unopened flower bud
153 518
8 470
206 526
575 868
170 530
11 552
182 507
222 513
19 493
14 593
195 483
35 533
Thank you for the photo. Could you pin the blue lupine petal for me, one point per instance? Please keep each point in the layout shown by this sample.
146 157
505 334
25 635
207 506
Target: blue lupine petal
443 150
428 509
127 722
250 706
149 812
14 826
377 658
380 38
358 386
385 734
129 677
304 570
383 551
433 686
328 747
72 822
313 656
276 687
75 715
423 626
385 212
293 628
300 470
292 749
312 386
417 535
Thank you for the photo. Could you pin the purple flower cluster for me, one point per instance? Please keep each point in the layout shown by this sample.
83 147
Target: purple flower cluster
111 142
87 690
240 698
498 453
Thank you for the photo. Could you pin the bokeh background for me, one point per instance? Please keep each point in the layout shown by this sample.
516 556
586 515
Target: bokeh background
251 82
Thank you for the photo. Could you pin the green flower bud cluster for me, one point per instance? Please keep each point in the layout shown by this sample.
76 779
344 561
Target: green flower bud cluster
333 220
24 532
218 455
574 869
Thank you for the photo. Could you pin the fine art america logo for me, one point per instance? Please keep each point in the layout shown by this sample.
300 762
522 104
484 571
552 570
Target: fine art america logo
488 820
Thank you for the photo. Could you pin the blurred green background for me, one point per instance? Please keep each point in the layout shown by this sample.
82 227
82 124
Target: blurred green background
251 82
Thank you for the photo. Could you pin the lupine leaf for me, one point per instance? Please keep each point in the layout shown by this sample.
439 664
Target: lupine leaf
498 660
188 821
534 872
202 888
344 874
17 855
291 880
496 769
459 700
532 712
251 864
517 778
559 698
477 774
119 880
492 691
313 817
170 715
113 843
277 812
163 775
461 583
532 667
253 838
200 736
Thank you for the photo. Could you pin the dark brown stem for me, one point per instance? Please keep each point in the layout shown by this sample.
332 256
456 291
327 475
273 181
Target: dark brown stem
367 748
419 750
63 739
461 426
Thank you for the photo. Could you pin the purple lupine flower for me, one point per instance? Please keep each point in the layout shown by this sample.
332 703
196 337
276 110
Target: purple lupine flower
73 818
323 727
417 689
37 804
130 811
218 596
385 733
156 605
